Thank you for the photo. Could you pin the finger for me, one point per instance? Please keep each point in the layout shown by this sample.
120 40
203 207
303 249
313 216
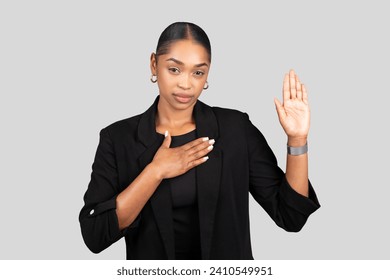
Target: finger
293 90
286 88
205 145
167 140
279 109
299 88
200 150
195 142
201 153
197 162
304 94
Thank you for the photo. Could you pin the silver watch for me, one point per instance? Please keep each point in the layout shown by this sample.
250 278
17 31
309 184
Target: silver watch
296 151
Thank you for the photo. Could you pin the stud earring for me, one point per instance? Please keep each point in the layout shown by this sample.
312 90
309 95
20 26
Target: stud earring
206 85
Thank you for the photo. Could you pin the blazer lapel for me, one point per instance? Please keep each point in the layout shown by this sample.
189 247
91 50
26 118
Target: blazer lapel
161 200
208 176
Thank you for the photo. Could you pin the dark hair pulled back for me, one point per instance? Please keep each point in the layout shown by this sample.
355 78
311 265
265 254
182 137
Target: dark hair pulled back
181 31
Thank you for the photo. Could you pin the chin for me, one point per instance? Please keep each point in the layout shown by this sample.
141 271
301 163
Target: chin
183 105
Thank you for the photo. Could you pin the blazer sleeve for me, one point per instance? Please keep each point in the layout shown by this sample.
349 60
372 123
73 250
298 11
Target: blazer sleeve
98 219
270 188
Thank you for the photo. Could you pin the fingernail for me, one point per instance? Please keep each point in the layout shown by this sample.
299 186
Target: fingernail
166 133
205 139
210 148
212 141
206 158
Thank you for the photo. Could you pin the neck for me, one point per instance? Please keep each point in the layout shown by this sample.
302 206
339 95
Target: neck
174 120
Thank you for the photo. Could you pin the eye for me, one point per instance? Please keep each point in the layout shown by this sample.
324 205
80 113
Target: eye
174 70
199 73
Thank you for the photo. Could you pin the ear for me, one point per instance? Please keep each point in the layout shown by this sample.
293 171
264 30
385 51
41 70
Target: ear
153 64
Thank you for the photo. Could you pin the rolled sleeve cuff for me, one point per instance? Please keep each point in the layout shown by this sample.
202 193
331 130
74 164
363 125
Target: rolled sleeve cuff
110 206
301 203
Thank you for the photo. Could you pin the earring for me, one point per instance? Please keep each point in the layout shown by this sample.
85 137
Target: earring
153 78
206 85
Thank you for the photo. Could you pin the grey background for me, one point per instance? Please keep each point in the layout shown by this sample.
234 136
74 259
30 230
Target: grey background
70 68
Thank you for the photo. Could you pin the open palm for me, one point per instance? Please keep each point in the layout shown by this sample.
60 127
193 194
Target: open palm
294 113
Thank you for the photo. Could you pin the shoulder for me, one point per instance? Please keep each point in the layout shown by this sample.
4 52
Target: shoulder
228 112
221 112
230 117
122 127
237 124
130 125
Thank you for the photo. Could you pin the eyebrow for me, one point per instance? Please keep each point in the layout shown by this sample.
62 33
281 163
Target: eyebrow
182 63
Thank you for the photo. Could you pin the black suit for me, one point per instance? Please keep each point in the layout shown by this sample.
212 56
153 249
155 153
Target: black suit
241 162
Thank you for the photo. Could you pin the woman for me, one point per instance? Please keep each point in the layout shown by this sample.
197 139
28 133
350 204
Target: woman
174 181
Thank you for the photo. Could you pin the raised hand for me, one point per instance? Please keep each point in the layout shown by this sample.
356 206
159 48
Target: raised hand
294 113
172 162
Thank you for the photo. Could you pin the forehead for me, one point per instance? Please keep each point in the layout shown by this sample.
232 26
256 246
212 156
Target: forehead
187 51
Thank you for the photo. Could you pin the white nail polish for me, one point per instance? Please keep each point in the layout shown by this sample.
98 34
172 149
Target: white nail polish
166 133
205 139
210 148
212 141
205 158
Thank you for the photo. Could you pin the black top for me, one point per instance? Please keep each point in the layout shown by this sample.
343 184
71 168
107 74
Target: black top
185 208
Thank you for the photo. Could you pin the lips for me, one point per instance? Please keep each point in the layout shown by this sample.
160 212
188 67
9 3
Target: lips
182 98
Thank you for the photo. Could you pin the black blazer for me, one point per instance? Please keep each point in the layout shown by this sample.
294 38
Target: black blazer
240 163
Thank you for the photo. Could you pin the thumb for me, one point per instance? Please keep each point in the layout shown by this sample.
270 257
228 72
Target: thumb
279 108
167 140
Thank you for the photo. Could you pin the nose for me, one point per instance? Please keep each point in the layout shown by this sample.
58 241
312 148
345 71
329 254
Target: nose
185 82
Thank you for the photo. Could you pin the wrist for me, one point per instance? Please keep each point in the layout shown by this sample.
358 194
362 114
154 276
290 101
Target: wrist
297 151
296 141
154 172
